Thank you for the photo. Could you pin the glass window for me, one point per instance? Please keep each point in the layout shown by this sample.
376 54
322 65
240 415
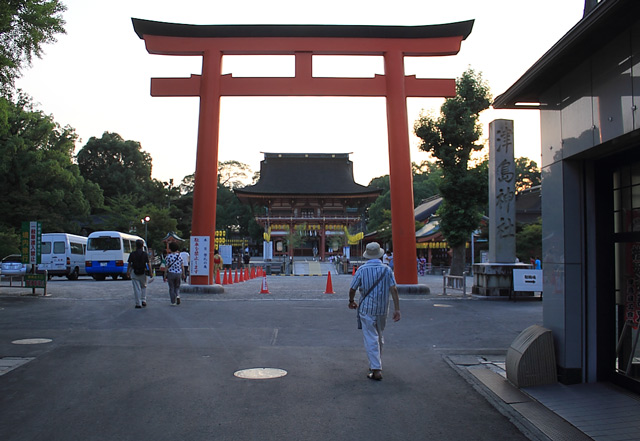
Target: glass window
626 196
46 248
626 199
103 243
58 248
77 248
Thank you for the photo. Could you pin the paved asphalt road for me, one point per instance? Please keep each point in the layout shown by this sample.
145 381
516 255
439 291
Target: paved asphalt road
112 372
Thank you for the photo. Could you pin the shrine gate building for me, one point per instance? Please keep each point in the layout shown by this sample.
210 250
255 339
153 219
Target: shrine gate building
312 195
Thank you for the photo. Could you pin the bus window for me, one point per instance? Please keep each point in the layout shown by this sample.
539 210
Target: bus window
103 243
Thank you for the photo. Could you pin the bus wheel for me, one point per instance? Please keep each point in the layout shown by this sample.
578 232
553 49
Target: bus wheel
73 275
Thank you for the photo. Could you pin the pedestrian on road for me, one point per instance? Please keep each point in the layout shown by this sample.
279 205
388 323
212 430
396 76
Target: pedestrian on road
375 281
174 272
139 263
185 263
218 264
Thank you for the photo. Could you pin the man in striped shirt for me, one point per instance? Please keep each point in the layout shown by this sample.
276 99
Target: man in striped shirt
375 281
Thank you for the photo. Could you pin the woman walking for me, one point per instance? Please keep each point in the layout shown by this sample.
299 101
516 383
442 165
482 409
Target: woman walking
174 273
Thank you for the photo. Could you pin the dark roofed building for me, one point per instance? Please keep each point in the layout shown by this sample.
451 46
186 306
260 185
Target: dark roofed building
587 88
311 193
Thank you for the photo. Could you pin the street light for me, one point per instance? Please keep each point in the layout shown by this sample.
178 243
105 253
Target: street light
145 221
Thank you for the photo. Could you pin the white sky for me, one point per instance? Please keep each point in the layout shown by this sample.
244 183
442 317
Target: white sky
96 78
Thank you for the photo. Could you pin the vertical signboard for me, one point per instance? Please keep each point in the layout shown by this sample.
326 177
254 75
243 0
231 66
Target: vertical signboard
200 249
30 243
226 254
502 203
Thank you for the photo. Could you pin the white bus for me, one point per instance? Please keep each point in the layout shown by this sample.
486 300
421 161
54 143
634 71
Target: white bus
63 255
108 253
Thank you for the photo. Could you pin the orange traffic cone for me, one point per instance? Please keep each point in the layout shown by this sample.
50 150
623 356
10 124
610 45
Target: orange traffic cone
355 267
230 278
246 274
241 275
224 278
235 279
329 289
217 277
253 272
264 289
260 273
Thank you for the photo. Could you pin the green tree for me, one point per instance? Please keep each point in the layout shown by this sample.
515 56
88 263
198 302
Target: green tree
120 167
25 26
529 241
39 179
451 138
233 174
527 174
426 180
161 222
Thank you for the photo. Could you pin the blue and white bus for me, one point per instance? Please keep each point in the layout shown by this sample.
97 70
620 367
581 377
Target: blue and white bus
108 252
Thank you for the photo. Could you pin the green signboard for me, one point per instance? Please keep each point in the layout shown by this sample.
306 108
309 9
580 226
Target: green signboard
35 280
30 243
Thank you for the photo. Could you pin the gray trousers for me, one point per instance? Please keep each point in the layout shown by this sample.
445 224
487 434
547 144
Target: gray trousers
139 288
173 279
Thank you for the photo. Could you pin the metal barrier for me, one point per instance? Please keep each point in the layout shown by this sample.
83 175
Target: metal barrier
457 283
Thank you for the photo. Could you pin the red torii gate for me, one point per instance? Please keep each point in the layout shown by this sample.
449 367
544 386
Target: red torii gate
392 42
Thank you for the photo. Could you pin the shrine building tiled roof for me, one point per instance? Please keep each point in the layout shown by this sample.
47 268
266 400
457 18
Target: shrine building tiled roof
328 174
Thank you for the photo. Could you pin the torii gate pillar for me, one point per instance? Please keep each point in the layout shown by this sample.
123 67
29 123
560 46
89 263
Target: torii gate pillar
211 42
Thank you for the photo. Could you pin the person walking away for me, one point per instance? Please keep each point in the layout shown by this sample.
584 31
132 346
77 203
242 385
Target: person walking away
138 263
174 272
185 263
386 257
375 281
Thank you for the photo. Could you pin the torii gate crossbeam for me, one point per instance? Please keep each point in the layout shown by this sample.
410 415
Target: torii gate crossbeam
393 43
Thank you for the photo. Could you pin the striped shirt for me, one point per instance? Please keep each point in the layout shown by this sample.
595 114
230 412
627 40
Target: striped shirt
377 302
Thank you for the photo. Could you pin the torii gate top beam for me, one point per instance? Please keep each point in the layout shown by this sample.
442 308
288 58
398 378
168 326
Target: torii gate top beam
303 42
183 39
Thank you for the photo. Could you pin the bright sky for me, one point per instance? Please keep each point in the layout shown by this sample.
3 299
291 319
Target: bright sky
96 78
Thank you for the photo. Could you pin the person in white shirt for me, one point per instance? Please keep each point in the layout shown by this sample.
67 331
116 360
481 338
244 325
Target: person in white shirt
387 257
185 262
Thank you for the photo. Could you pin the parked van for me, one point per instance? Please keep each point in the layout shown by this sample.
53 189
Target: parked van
108 253
63 255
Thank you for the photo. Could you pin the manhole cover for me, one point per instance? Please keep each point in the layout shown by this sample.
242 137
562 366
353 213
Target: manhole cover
32 341
260 373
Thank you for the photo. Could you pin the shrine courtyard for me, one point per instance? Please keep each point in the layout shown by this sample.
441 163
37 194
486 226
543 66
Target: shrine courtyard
83 364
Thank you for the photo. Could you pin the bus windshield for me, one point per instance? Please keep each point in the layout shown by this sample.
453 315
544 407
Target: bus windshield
103 243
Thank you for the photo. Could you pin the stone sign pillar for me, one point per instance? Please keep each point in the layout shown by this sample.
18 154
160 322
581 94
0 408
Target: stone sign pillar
495 277
502 192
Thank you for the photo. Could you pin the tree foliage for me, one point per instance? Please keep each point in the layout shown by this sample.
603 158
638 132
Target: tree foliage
527 174
529 241
25 26
451 138
37 175
119 166
426 179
